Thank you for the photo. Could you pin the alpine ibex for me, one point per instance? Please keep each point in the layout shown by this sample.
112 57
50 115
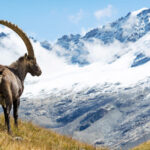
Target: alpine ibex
12 77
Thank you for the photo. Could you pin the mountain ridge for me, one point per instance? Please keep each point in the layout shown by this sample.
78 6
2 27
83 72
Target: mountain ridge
126 29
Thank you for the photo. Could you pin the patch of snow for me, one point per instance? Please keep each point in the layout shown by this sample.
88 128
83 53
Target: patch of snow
135 13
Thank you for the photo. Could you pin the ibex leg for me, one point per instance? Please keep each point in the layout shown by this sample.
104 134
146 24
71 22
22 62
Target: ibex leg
16 104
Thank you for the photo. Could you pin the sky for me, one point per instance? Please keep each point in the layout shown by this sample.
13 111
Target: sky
50 20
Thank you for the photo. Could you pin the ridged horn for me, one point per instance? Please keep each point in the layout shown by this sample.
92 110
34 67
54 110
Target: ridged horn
22 35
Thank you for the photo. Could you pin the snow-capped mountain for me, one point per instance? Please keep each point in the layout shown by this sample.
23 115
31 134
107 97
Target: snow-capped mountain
126 29
95 87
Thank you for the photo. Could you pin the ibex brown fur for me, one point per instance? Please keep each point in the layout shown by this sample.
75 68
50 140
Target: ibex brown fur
12 77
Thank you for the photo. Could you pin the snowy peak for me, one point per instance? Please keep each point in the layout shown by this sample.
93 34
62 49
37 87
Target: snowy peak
126 29
46 45
65 40
137 12
2 34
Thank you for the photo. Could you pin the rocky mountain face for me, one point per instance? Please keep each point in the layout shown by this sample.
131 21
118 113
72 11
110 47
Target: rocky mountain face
94 87
101 115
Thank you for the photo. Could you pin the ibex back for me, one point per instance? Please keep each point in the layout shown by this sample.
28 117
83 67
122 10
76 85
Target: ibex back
12 77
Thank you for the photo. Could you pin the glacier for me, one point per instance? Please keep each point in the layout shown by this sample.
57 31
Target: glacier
94 87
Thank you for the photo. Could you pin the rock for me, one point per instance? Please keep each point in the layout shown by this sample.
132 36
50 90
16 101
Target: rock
18 138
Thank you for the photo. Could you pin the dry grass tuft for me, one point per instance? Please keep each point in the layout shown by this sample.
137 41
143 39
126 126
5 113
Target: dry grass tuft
32 137
143 146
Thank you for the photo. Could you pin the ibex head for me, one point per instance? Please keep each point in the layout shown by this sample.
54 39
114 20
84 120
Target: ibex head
30 60
32 66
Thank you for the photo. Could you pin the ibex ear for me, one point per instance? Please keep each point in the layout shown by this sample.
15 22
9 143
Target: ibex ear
25 55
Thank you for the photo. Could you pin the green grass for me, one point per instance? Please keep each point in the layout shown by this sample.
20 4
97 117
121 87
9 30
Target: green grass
33 137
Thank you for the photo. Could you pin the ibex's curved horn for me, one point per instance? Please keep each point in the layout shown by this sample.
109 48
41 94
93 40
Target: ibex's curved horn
22 35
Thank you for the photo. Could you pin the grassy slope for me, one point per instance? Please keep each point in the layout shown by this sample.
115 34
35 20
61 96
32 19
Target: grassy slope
143 146
37 138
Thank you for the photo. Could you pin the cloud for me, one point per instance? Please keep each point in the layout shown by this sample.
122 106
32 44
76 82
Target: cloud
104 54
131 23
106 12
10 47
77 17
